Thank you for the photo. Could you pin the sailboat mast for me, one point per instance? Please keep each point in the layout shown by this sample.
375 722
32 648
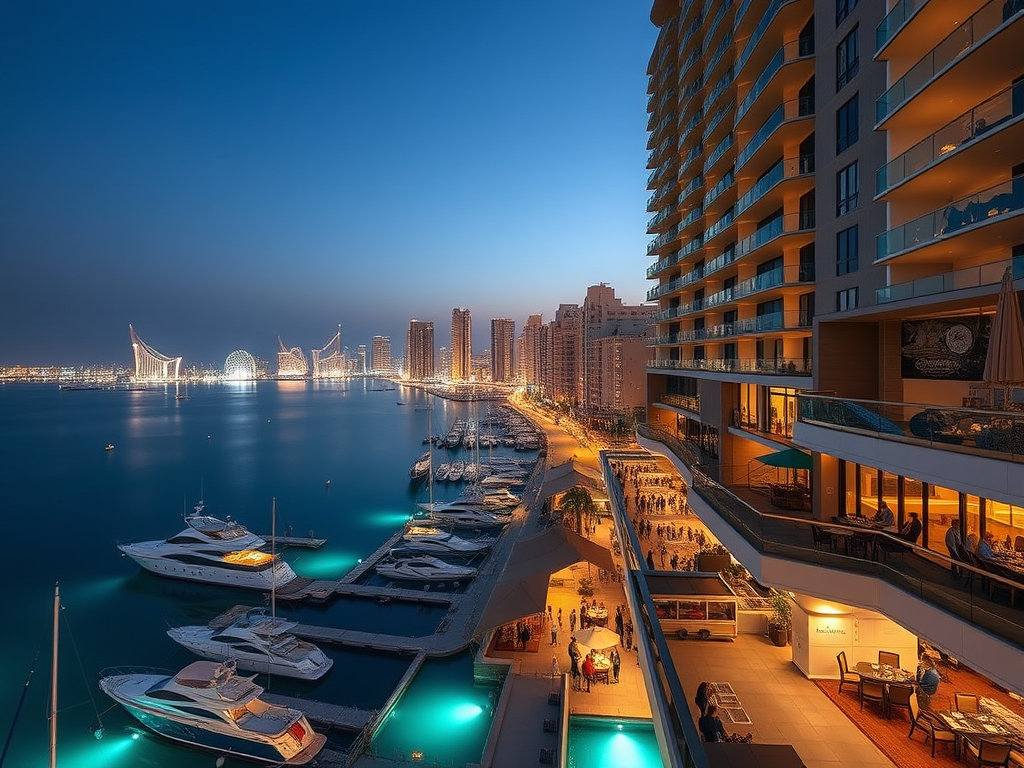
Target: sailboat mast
53 677
273 555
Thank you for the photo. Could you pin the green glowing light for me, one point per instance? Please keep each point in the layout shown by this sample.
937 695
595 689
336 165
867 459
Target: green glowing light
464 712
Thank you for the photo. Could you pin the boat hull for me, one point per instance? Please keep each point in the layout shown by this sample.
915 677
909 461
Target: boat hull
250 662
263 580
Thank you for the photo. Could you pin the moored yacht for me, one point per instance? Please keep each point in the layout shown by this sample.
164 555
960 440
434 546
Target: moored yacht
464 517
420 538
423 568
420 468
257 643
215 552
207 705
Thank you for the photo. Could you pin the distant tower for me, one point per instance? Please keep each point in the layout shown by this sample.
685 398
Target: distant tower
151 365
461 348
380 354
530 349
291 363
362 359
502 336
419 350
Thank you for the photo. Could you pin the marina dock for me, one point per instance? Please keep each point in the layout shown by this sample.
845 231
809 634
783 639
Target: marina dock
333 715
308 542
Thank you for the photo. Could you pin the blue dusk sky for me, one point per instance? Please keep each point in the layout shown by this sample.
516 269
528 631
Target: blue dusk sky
223 172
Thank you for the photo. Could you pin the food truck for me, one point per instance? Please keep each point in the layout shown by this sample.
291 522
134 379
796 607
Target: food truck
693 603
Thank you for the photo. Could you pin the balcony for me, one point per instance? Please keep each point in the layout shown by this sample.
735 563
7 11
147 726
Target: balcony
726 221
993 127
789 224
788 168
958 280
718 90
716 120
686 402
766 281
669 210
982 221
719 55
719 152
692 245
782 366
917 588
785 114
662 240
948 79
761 324
796 52
910 28
716 191
969 431
695 185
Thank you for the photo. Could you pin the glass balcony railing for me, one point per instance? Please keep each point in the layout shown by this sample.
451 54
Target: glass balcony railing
894 21
727 219
937 426
975 210
781 366
696 183
784 169
925 577
719 88
972 277
957 44
717 21
795 274
990 114
682 310
773 321
777 227
720 51
723 184
686 402
662 239
723 146
724 111
787 53
790 110
691 246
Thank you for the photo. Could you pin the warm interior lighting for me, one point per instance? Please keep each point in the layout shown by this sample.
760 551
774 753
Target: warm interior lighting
247 557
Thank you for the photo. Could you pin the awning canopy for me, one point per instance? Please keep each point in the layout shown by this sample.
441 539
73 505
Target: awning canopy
565 476
523 589
790 458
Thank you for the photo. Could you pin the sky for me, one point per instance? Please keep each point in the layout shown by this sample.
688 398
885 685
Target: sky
221 173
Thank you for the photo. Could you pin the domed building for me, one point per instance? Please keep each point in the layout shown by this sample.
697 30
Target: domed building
240 366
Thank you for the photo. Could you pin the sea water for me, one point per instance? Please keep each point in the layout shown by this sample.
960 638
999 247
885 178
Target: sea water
67 502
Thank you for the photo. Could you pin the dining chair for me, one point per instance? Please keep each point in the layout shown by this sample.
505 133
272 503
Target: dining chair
868 690
1016 759
931 725
845 675
1018 544
965 702
987 752
890 658
897 695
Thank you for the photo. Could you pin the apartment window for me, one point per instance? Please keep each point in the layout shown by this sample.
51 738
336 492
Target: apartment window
847 251
847 122
847 187
846 299
847 59
843 8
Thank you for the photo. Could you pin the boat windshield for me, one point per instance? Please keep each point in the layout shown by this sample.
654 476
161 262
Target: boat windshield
215 528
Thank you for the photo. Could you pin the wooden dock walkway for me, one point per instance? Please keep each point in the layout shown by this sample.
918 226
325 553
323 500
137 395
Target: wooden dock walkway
294 541
333 715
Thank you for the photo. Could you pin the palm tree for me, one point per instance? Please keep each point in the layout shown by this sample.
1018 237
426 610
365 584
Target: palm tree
578 502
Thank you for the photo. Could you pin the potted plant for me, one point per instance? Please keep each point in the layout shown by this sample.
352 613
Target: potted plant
781 622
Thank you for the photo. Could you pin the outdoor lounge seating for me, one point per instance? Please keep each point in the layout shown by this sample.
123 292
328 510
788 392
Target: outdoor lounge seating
932 726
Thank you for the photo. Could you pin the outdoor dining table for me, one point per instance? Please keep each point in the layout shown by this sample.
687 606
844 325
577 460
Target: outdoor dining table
863 530
598 616
883 673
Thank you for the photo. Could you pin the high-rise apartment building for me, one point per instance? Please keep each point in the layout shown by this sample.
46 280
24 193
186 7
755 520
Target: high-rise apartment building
795 312
361 359
462 345
531 351
380 354
502 338
419 350
563 380
614 337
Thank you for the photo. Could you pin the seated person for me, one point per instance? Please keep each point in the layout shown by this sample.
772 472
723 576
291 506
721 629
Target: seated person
984 551
911 529
884 516
711 725
702 699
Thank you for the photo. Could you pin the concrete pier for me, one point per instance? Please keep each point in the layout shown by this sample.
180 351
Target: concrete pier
333 715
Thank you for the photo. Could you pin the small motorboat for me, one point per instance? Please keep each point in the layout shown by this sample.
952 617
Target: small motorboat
110 447
423 568
420 538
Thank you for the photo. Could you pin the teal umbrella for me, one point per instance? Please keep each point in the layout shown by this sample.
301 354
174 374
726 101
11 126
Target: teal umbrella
790 458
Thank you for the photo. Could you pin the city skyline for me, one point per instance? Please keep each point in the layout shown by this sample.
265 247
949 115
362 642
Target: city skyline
223 198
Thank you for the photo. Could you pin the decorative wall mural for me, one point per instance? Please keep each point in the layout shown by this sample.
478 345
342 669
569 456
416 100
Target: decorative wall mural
945 348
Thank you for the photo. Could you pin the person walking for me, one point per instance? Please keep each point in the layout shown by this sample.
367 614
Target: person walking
554 633
555 670
589 670
616 664
650 559
572 620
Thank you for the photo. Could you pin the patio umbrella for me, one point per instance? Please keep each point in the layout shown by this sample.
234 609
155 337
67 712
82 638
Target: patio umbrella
1004 362
788 458
596 637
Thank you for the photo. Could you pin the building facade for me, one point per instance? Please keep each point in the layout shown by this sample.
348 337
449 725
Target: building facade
462 345
419 350
795 312
531 351
563 377
380 354
502 339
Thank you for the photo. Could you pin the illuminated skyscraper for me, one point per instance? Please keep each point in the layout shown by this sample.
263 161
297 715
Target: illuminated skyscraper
461 347
361 364
380 354
531 350
329 361
419 350
291 363
502 337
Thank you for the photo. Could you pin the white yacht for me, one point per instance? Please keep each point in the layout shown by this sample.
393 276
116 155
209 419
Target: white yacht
420 468
257 643
420 538
207 705
423 568
215 552
463 517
